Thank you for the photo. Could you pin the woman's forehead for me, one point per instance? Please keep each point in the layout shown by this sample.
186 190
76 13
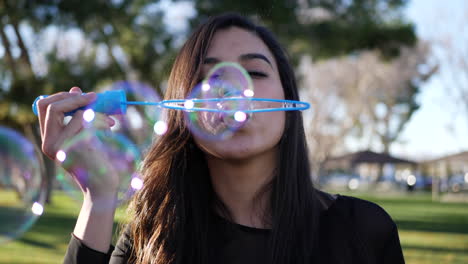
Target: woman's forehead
232 43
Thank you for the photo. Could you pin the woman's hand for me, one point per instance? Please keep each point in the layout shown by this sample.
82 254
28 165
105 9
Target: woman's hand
84 160
94 223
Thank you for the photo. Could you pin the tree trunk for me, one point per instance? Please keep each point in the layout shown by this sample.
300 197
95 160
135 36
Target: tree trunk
26 66
8 54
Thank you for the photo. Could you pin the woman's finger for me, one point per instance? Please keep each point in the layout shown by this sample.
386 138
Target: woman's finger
71 129
53 123
51 146
42 105
76 124
76 90
69 104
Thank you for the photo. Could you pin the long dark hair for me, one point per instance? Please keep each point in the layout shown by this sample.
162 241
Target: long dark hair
173 210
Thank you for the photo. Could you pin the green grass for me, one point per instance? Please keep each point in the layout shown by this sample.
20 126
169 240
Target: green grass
430 232
47 240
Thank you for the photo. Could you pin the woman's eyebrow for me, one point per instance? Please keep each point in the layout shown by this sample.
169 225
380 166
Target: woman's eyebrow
251 56
247 56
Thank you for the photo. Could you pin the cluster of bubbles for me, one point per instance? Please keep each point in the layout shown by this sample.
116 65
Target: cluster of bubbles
103 157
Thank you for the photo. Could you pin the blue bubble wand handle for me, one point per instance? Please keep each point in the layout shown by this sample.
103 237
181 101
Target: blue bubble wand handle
109 102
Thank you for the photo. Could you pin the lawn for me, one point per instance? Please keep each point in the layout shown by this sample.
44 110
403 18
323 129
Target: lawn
47 240
430 232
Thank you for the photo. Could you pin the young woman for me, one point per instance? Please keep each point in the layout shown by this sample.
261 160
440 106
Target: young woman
247 199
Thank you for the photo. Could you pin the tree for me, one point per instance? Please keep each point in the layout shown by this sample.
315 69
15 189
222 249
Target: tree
396 84
129 35
323 28
361 95
334 111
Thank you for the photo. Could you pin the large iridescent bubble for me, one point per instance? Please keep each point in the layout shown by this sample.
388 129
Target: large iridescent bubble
215 108
22 186
99 160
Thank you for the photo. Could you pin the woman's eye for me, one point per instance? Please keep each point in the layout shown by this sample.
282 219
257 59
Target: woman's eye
257 74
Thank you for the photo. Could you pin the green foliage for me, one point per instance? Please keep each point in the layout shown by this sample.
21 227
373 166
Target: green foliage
130 26
337 38
351 25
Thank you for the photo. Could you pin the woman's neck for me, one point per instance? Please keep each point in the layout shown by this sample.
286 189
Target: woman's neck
238 184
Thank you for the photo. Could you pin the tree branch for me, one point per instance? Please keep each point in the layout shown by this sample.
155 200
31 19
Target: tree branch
8 54
22 46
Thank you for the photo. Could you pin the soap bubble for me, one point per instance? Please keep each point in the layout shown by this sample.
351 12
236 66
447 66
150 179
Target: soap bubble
22 187
141 122
230 73
99 160
216 108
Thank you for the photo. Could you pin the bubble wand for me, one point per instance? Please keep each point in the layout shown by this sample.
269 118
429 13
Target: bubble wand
115 102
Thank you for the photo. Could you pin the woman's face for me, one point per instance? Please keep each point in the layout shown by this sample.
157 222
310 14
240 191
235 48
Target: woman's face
262 131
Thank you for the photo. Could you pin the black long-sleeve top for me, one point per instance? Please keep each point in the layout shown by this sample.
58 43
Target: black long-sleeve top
351 231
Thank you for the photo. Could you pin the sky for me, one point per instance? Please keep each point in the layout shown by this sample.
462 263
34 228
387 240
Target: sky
438 128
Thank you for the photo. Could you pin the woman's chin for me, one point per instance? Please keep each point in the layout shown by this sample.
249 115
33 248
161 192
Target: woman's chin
235 150
244 144
227 151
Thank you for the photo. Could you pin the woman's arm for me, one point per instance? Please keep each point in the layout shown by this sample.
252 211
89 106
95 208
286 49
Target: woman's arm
79 252
95 221
94 225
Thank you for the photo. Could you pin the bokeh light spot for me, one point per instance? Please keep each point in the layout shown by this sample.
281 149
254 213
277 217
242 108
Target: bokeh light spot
89 115
353 184
411 180
160 127
61 155
37 208
189 104
205 87
248 93
240 116
136 183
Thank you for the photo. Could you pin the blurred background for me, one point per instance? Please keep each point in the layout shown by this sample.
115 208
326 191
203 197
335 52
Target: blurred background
387 81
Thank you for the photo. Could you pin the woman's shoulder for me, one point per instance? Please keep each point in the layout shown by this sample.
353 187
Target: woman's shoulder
363 226
368 218
366 212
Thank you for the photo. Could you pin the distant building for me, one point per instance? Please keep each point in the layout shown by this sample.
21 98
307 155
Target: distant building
446 166
370 165
448 173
